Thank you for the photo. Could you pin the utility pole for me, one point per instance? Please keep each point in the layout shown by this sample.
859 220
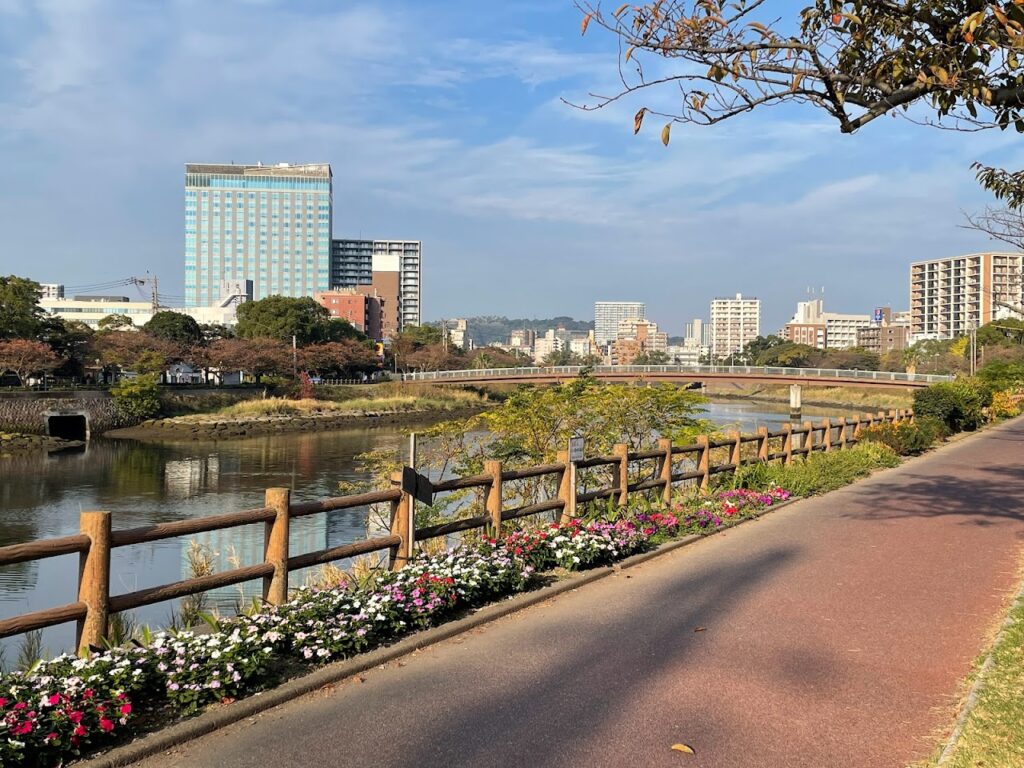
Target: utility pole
295 358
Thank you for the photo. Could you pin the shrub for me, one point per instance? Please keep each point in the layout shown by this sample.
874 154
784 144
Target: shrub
1004 406
819 472
136 399
906 438
957 404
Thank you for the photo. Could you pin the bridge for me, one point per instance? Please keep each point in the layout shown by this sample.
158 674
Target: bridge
742 374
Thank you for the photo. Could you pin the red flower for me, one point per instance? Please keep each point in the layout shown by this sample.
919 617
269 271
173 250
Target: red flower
88 693
54 699
20 705
80 731
75 717
126 708
3 702
106 725
50 737
22 728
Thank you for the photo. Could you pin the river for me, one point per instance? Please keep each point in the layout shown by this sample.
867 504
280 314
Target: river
149 482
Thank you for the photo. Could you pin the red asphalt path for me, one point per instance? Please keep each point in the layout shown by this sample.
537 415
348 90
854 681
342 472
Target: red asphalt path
836 633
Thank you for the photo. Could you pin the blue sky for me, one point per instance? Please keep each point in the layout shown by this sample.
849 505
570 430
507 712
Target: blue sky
442 122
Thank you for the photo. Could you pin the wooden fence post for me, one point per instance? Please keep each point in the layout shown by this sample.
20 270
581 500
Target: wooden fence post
808 441
858 427
622 451
492 501
762 444
787 443
870 419
735 450
826 434
399 554
665 470
94 580
704 462
275 545
842 433
566 489
884 417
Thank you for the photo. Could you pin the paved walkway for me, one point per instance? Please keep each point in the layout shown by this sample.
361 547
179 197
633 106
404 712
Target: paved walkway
834 632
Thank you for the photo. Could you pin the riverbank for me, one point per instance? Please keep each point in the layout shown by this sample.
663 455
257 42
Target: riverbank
222 426
16 443
828 397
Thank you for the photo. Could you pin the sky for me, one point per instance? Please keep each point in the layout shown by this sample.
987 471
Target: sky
444 122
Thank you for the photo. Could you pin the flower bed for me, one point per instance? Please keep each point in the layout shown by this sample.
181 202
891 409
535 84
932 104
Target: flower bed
726 507
69 706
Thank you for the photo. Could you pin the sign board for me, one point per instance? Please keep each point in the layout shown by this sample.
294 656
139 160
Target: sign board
879 315
417 486
575 449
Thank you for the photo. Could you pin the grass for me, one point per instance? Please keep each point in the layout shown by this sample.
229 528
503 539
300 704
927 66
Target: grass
852 397
379 401
993 733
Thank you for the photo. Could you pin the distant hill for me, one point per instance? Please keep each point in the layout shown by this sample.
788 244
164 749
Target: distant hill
490 329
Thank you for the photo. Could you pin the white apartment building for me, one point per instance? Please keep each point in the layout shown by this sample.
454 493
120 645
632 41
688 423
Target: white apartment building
813 326
608 314
950 296
734 324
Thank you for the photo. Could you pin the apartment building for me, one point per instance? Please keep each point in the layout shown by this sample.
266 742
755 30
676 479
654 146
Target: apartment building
950 296
608 314
813 326
389 269
636 337
735 323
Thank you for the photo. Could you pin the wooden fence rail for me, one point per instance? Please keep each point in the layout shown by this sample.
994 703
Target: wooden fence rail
96 539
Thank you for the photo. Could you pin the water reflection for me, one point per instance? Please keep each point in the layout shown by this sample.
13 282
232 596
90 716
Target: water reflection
142 483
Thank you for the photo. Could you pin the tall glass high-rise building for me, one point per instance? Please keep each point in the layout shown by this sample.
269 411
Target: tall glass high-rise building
267 223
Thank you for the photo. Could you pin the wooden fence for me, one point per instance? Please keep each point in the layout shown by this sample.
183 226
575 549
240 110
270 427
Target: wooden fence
96 539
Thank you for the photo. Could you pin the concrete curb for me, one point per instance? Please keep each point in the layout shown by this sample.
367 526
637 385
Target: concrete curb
174 735
978 684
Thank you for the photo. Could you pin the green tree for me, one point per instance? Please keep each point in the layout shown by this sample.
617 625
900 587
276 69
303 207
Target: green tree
855 60
20 314
652 358
282 317
136 399
174 327
1000 333
115 322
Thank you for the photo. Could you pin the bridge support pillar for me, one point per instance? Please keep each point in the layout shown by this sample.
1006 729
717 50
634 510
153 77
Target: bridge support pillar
795 410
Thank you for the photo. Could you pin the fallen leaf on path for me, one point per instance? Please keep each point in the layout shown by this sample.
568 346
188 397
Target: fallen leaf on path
686 749
700 629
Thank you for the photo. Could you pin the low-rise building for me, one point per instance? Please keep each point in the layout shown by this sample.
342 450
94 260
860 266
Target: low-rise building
91 309
813 326
363 310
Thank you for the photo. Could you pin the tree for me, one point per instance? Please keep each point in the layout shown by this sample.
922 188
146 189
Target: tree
852 359
652 358
174 327
1000 333
27 358
856 60
340 358
214 331
133 351
257 357
282 317
115 323
20 314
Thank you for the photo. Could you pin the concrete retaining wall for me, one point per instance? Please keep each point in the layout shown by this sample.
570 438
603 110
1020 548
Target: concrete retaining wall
28 411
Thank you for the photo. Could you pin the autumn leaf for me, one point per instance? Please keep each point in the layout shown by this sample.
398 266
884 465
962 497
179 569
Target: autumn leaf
620 9
585 24
665 133
684 748
638 119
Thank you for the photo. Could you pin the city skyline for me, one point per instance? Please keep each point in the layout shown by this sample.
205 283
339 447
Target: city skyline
507 185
